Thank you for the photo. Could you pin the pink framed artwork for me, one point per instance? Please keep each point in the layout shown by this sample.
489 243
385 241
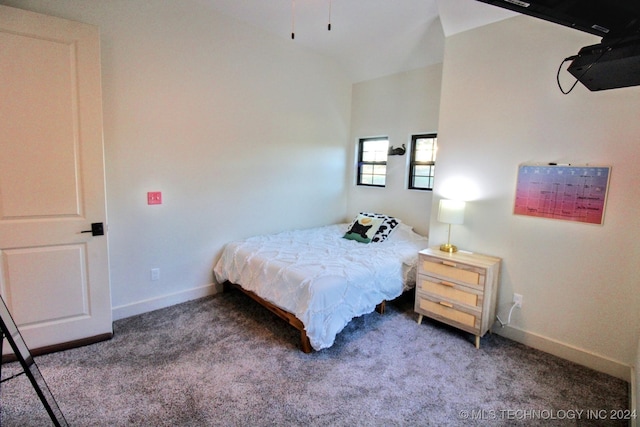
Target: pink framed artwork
565 192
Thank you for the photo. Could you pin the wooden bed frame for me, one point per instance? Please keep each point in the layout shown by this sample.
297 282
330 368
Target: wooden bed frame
305 344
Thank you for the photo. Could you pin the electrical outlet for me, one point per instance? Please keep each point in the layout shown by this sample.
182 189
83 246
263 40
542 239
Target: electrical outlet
517 299
155 274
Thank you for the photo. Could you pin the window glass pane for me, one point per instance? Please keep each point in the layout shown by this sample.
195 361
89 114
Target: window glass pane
378 180
422 170
381 156
425 150
366 179
368 156
375 150
367 169
376 144
380 169
423 182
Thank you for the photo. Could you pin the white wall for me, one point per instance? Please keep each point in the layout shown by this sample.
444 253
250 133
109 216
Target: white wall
396 106
501 107
243 133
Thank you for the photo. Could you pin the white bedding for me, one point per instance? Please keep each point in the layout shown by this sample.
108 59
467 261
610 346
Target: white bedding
320 277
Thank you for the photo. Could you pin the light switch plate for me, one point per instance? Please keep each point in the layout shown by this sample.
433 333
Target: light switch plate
154 198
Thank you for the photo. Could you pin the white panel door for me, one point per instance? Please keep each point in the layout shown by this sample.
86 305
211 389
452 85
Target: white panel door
53 277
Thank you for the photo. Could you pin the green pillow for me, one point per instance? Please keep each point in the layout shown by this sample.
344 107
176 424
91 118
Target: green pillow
363 228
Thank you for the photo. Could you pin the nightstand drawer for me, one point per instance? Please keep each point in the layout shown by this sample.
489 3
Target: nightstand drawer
447 290
455 271
447 311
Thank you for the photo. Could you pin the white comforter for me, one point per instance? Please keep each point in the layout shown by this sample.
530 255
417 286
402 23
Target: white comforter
322 278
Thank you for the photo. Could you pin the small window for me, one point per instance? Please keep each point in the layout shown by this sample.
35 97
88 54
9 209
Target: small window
372 161
423 161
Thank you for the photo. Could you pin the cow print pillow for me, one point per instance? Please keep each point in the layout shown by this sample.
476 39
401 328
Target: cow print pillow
389 224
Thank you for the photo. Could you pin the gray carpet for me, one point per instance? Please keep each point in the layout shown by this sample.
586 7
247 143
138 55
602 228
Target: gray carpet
225 361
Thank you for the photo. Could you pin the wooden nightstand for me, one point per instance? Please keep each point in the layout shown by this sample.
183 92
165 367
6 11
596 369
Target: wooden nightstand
459 289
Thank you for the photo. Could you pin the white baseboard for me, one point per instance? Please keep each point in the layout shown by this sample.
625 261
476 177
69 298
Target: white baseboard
567 352
133 309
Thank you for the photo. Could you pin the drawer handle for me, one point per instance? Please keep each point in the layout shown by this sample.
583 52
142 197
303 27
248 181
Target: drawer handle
446 304
451 285
449 263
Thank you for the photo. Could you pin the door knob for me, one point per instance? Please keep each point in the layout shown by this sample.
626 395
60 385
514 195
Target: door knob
97 229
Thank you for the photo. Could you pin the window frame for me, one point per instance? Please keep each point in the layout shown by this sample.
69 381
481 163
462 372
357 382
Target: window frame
413 163
362 163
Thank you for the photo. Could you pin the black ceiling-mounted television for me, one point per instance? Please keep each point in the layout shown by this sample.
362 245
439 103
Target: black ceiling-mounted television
615 62
605 18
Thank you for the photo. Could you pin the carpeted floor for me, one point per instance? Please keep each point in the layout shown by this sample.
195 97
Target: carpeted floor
225 361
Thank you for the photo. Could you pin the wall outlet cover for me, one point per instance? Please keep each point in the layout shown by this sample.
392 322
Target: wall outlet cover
154 198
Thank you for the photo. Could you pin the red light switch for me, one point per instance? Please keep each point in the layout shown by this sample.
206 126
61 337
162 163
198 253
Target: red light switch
154 198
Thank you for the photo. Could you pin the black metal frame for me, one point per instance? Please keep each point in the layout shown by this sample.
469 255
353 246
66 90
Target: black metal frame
12 334
361 162
413 163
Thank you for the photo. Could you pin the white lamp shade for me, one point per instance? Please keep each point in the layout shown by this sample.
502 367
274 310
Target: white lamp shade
451 211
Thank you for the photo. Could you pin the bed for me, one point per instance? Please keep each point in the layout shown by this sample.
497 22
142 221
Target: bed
318 280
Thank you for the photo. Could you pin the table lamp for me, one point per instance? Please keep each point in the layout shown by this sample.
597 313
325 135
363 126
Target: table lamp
450 212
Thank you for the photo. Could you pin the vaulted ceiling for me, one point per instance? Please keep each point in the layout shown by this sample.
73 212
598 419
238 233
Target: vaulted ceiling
368 38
